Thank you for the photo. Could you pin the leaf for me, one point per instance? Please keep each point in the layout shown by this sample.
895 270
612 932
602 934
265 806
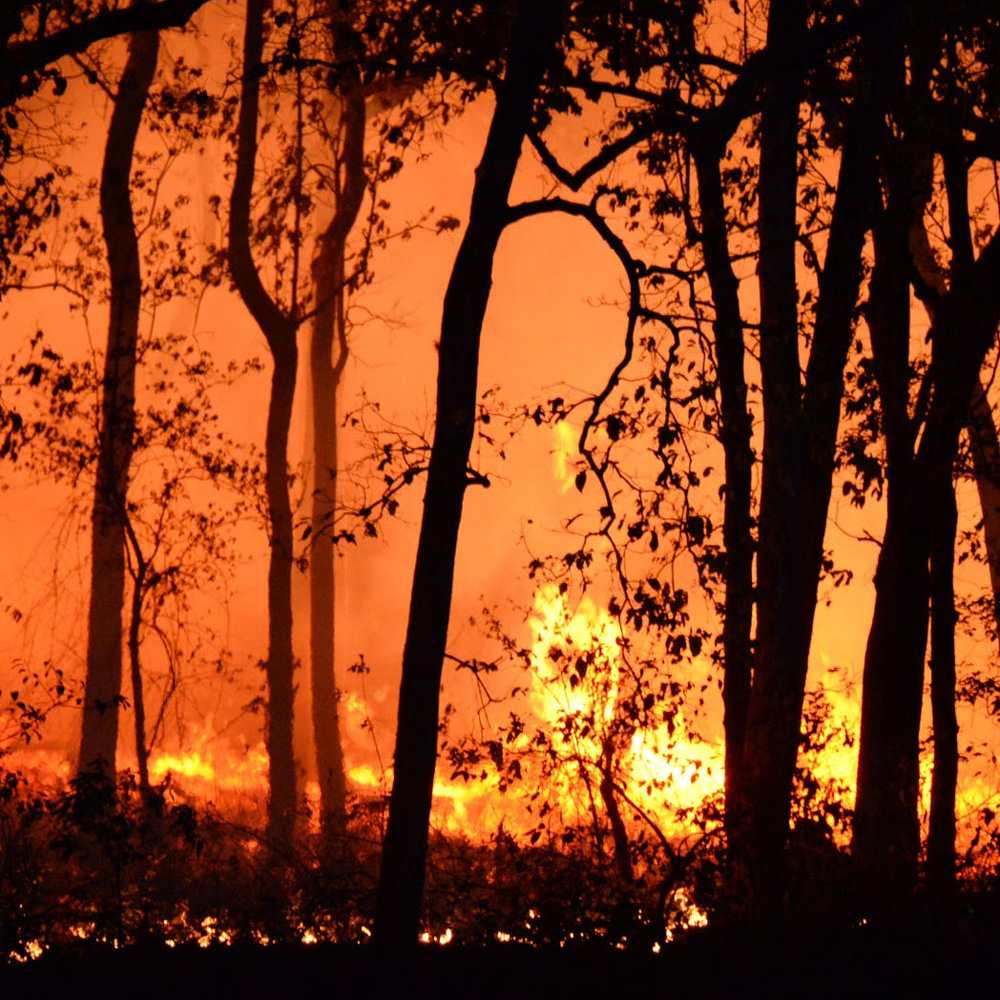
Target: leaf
580 481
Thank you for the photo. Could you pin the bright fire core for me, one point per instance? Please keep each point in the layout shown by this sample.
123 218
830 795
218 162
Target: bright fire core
576 732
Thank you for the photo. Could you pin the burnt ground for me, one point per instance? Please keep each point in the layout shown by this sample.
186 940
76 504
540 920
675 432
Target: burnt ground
861 964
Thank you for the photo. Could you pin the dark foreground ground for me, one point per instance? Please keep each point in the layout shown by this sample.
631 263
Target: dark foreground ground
862 964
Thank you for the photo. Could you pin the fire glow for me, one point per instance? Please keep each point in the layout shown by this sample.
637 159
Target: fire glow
662 771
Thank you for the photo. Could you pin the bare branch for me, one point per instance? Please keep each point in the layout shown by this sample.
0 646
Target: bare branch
24 58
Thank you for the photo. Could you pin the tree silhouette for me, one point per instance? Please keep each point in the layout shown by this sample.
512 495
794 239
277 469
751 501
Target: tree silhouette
102 690
37 35
534 32
329 337
279 329
913 567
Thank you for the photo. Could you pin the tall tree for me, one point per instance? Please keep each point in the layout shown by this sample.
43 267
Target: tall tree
801 418
886 836
102 693
917 259
764 680
913 569
536 26
327 359
279 326
736 432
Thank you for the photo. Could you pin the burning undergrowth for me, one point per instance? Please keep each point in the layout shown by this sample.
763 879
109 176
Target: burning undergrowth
84 862
582 812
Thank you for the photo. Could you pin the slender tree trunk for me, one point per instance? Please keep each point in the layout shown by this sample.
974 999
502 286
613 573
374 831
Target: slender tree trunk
135 668
984 443
279 331
280 659
772 735
886 833
941 835
736 431
536 28
619 834
985 447
886 838
886 723
329 328
985 450
325 380
885 845
102 692
800 434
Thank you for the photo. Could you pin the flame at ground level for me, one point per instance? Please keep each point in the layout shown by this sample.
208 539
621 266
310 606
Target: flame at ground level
577 747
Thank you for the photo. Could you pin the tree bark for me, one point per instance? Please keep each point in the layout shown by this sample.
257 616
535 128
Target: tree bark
329 328
279 331
985 447
886 837
800 437
735 432
537 25
619 833
138 572
102 691
941 835
886 833
887 724
779 680
280 659
986 453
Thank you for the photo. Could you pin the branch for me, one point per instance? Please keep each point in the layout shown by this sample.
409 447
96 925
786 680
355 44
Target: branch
740 99
575 180
277 327
24 58
635 270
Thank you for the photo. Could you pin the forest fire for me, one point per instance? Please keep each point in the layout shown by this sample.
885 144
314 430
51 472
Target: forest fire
577 667
208 762
517 474
662 769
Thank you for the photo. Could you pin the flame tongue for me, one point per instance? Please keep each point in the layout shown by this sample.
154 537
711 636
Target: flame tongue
578 673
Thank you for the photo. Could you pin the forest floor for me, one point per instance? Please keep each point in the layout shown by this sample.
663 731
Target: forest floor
861 964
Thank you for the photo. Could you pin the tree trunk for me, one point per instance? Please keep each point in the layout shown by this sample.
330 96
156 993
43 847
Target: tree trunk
135 666
619 833
329 327
800 434
772 735
888 724
886 838
735 432
102 692
941 835
985 447
536 28
984 443
279 331
280 659
886 832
